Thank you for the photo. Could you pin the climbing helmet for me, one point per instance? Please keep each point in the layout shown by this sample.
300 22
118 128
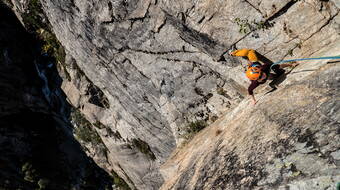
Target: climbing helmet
254 71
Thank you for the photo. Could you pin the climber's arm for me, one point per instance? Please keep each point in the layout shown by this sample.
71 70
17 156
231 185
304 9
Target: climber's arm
253 99
251 88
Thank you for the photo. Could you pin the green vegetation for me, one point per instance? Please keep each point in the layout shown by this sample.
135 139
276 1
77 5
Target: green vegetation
290 52
30 174
88 135
119 182
262 25
245 26
33 17
193 128
222 92
43 183
52 47
84 130
143 147
36 22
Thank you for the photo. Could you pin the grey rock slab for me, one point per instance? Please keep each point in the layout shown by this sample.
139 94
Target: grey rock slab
269 8
259 145
300 23
216 18
336 155
337 3
159 62
317 183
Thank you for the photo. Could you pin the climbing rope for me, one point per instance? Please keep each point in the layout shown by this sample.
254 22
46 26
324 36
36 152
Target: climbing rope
303 59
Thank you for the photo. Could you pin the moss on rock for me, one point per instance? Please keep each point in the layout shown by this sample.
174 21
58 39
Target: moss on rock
84 130
193 128
119 182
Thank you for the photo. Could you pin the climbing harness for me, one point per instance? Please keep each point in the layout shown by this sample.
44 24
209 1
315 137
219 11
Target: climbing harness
303 59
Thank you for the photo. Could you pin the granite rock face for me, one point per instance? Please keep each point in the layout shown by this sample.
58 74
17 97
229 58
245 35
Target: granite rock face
142 70
289 140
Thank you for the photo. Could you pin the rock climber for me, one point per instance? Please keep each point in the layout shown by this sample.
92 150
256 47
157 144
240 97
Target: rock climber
259 73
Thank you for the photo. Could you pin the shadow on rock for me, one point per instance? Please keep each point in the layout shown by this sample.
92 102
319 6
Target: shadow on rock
38 150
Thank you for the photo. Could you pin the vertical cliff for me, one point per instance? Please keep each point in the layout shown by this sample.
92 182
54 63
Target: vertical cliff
145 75
155 82
38 150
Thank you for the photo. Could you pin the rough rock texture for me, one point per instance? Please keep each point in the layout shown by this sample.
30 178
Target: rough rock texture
150 76
145 69
289 140
37 147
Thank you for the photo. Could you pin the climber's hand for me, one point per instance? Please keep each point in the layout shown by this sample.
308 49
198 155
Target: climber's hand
253 99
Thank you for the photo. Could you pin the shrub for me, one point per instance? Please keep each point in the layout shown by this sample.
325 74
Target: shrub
36 22
245 26
34 16
193 128
84 130
119 182
30 174
88 135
